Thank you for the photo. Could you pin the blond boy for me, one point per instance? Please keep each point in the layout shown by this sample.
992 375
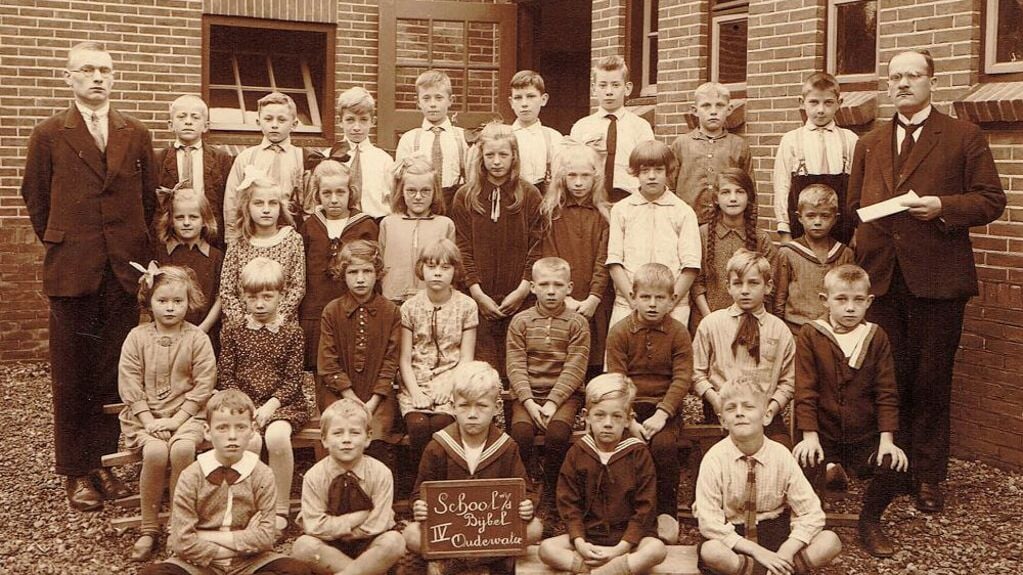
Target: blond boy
818 152
441 141
372 180
708 149
347 498
612 128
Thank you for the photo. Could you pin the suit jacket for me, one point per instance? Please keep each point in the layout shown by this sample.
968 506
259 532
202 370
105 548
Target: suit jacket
216 165
90 213
951 159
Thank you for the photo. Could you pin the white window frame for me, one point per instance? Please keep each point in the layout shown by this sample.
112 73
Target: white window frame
991 66
832 57
646 88
715 46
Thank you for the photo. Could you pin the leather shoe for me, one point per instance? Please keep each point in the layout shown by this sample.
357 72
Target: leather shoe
874 539
144 548
82 495
109 485
929 498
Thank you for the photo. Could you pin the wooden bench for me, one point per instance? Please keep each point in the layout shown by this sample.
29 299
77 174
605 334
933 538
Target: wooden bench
681 560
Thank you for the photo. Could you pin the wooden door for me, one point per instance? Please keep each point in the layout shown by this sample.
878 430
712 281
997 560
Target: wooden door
472 43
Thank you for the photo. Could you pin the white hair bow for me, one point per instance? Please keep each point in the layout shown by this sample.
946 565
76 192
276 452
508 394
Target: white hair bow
148 275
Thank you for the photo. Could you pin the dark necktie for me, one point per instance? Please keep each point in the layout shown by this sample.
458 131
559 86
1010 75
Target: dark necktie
750 526
611 144
748 335
222 474
347 496
907 143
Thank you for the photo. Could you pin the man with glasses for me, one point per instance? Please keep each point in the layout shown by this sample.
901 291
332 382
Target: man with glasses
89 187
920 260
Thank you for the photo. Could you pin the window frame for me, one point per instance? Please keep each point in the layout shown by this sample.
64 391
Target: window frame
649 17
991 65
727 13
322 105
831 56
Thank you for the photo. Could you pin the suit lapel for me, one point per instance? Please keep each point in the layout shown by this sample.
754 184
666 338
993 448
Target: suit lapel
170 167
117 143
77 135
929 135
886 159
209 161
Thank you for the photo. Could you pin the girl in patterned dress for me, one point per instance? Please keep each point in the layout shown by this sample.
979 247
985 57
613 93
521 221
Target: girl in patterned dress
438 333
416 220
165 375
265 229
261 354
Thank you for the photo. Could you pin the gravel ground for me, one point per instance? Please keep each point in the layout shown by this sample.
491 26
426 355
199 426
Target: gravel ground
979 532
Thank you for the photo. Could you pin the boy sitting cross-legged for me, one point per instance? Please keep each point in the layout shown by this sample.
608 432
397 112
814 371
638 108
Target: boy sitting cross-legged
847 403
346 500
222 520
607 492
755 508
471 448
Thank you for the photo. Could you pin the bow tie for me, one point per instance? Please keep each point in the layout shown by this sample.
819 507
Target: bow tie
345 495
223 473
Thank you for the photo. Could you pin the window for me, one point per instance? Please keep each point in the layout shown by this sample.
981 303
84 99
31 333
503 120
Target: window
852 40
642 42
728 37
246 59
1003 38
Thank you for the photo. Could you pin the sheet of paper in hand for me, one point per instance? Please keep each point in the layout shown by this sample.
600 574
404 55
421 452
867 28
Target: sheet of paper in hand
473 518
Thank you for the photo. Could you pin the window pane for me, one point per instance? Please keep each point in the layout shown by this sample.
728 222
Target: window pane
484 43
302 104
856 38
224 107
413 40
448 42
1010 31
252 105
651 78
457 76
252 68
732 51
288 71
221 70
405 87
483 91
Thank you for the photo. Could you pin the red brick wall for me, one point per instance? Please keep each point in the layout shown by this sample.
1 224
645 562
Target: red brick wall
786 43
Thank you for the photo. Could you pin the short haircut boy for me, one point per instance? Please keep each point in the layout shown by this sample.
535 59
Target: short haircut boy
344 409
740 386
262 274
433 79
551 264
744 260
849 274
822 82
193 99
653 276
528 79
817 196
475 380
229 400
710 90
278 98
612 64
357 100
610 386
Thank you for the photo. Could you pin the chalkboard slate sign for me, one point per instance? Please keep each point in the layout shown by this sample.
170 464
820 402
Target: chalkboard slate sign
473 518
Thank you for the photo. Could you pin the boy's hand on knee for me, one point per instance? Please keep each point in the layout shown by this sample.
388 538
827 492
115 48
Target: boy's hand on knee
591 554
809 452
535 413
654 424
547 411
419 510
526 510
774 563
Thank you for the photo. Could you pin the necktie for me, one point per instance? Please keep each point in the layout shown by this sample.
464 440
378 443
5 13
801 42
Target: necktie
611 144
186 165
750 527
345 495
907 143
437 157
749 336
97 132
275 165
356 182
821 135
222 474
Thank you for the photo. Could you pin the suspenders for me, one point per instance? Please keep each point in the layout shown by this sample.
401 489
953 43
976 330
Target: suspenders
801 154
461 151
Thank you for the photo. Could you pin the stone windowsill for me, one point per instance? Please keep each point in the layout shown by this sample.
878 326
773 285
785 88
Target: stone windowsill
858 108
992 102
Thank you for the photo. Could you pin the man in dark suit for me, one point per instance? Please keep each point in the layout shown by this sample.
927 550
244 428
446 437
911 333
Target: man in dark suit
89 188
189 119
920 261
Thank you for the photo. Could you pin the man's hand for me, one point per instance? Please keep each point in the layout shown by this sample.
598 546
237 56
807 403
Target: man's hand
926 208
808 452
900 462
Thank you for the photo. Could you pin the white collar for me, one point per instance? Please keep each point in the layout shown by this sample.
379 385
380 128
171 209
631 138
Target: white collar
829 127
87 112
362 146
668 198
208 463
272 327
534 127
918 118
179 145
266 143
735 311
272 240
445 125
619 113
